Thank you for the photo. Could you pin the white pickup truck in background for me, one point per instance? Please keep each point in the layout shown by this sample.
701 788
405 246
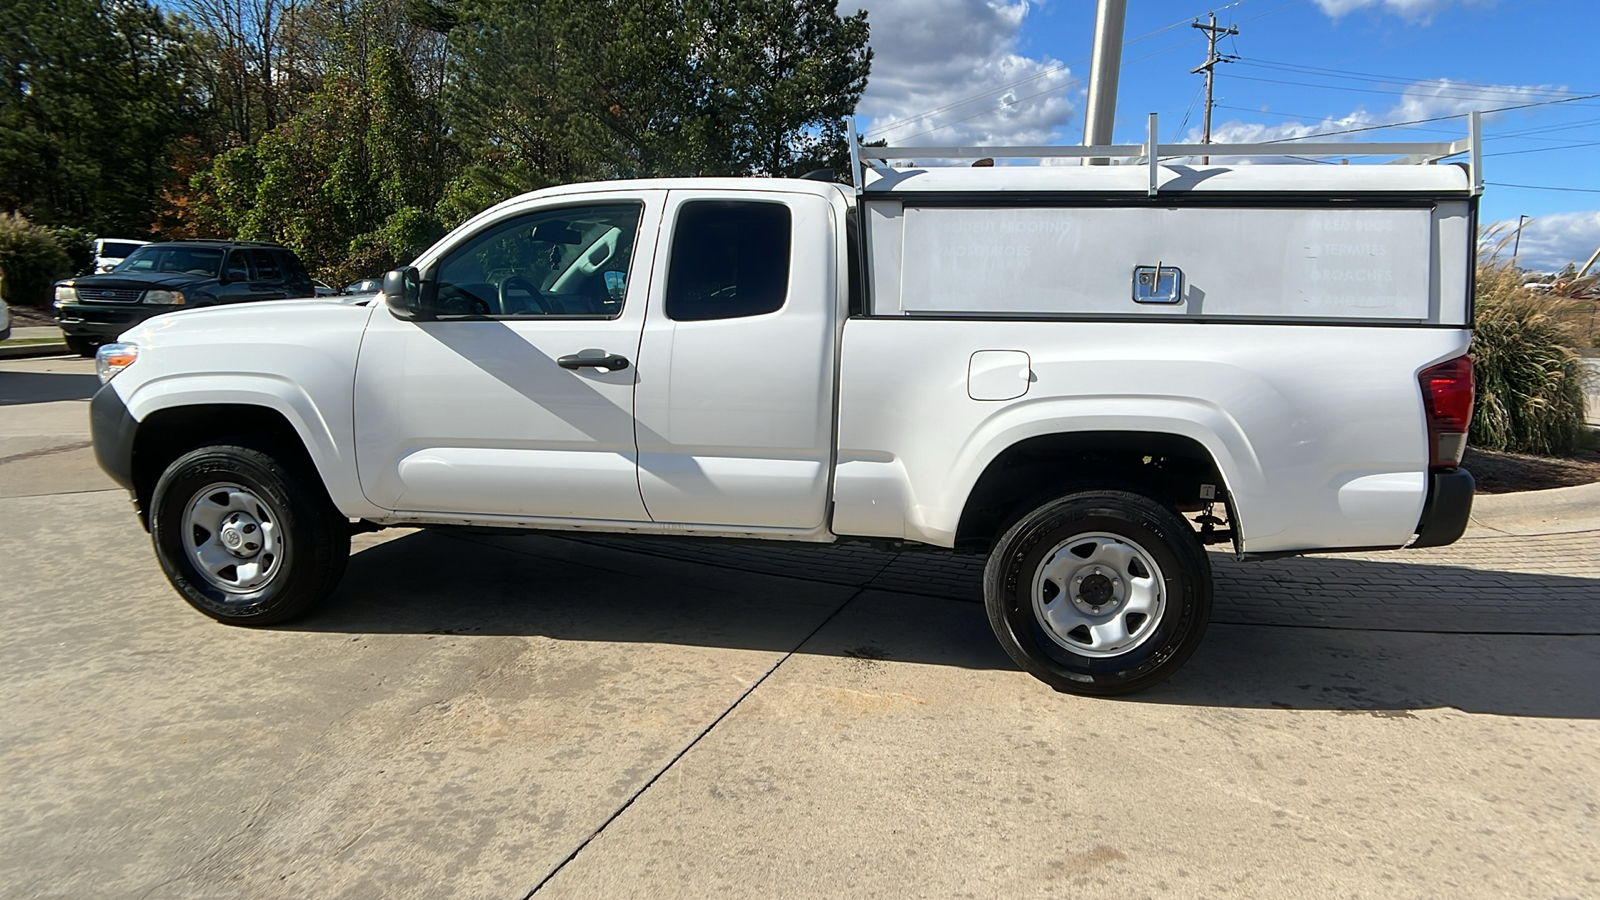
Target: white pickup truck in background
1088 373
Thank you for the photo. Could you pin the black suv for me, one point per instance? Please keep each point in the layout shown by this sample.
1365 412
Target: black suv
160 278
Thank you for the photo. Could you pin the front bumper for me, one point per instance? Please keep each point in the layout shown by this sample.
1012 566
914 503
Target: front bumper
105 320
1447 509
112 428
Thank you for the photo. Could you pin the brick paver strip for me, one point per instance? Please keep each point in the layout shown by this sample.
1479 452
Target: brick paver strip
1505 585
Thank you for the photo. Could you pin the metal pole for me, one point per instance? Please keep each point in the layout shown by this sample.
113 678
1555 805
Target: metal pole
1104 65
1516 245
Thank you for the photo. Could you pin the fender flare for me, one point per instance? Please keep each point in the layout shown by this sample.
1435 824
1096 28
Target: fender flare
335 462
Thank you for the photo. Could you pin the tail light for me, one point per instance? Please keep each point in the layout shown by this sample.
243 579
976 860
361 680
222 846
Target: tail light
1447 401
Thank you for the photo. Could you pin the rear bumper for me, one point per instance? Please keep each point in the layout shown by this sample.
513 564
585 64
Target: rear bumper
1447 509
107 320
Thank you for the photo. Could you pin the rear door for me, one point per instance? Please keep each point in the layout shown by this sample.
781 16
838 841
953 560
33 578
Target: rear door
735 397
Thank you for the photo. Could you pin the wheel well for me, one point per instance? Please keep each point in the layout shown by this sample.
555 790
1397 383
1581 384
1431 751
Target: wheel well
167 434
1168 468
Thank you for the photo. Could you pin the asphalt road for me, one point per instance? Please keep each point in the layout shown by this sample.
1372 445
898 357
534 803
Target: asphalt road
494 716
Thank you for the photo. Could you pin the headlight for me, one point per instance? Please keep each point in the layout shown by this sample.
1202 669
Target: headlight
166 298
113 358
66 294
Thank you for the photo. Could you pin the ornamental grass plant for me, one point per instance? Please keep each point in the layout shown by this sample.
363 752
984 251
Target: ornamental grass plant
1530 381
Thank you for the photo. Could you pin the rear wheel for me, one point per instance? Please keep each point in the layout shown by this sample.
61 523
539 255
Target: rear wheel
1099 592
245 538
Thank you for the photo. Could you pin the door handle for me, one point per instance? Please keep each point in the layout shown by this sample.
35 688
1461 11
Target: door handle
595 359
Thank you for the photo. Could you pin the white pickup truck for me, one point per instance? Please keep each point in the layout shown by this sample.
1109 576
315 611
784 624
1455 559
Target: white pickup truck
1086 372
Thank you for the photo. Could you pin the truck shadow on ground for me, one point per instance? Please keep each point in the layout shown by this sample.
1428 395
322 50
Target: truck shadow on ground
1292 635
18 388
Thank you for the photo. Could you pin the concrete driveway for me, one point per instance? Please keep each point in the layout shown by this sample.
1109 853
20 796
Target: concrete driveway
475 715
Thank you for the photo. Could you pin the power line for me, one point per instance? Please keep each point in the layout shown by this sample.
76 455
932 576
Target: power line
1187 113
1544 149
1436 118
1522 135
1393 79
1347 88
1543 187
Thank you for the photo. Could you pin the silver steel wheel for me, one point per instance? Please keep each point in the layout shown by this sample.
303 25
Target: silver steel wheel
1098 594
233 538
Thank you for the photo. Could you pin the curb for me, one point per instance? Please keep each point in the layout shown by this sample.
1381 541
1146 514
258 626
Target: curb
24 351
1531 513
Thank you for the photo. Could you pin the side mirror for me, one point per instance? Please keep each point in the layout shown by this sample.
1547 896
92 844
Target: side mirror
402 291
233 275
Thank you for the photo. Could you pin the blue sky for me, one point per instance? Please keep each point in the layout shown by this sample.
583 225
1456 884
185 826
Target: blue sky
1013 71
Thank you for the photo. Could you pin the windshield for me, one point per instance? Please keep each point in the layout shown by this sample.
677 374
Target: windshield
173 260
114 250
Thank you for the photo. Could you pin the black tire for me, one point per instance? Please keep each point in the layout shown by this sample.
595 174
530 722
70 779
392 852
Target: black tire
1072 534
82 346
310 537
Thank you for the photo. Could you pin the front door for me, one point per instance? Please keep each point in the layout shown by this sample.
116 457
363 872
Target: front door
502 406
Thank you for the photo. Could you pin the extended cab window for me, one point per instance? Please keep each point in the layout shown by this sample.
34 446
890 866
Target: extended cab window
564 262
730 258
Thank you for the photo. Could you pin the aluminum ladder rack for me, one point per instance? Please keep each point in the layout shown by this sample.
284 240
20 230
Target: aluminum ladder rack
1150 153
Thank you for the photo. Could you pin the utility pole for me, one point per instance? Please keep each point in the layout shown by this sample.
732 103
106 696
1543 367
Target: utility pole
1212 32
1104 66
1516 245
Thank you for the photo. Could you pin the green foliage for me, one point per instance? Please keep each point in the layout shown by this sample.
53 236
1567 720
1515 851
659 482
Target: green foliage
77 244
349 182
32 261
91 94
572 90
355 131
1530 382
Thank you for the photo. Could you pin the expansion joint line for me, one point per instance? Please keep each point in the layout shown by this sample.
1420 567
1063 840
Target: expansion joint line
690 746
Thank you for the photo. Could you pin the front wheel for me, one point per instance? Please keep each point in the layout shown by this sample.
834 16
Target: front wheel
81 345
244 538
1101 592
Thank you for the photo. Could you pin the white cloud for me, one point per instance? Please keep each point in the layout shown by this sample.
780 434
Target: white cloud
1423 100
1550 242
1421 11
960 57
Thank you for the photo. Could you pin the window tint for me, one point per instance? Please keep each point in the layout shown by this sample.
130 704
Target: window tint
266 266
238 266
293 266
730 258
177 260
564 262
115 250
